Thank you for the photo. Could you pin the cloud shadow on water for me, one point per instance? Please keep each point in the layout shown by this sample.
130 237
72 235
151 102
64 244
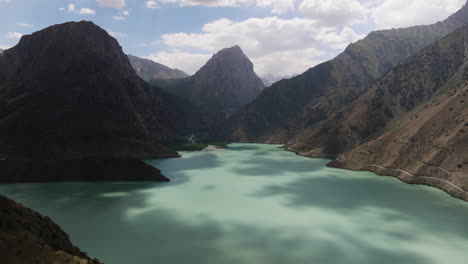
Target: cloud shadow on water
162 237
260 166
430 209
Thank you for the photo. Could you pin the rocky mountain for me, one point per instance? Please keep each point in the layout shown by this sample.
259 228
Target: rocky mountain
1 51
413 123
28 237
149 70
68 92
290 107
427 147
226 82
397 93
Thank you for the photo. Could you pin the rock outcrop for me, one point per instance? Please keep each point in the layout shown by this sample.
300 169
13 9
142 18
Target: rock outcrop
28 237
69 91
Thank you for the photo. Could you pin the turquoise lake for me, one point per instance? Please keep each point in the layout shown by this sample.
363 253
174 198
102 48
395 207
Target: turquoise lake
255 204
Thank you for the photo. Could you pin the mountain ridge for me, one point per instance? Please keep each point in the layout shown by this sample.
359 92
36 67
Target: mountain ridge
288 107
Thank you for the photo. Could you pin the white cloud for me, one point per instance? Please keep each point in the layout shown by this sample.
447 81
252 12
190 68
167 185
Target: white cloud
86 11
151 4
266 41
4 47
117 4
188 62
116 34
297 61
62 9
339 39
118 18
82 11
13 35
334 12
125 12
404 13
24 25
276 6
291 46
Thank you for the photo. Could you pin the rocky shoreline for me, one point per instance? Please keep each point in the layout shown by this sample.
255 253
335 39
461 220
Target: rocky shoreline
28 237
405 177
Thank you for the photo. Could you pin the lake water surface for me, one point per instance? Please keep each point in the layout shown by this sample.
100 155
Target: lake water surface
255 204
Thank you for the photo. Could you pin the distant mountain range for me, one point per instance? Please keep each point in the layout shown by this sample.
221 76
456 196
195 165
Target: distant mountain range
227 82
270 79
149 70
1 50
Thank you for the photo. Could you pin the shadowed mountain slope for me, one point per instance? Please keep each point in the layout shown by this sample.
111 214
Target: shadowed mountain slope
69 97
28 237
70 91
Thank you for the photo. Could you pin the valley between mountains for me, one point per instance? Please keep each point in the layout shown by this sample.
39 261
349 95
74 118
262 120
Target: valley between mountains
74 107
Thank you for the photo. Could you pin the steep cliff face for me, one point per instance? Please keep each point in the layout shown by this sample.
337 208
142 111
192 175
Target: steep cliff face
70 100
226 82
69 91
149 70
289 107
28 237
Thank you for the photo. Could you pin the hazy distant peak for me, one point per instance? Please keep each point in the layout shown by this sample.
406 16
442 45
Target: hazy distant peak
150 70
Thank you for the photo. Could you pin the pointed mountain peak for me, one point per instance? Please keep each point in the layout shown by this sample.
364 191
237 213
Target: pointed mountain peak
234 48
234 51
227 81
228 59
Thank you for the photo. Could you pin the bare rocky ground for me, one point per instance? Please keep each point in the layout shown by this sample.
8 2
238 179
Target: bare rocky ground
28 237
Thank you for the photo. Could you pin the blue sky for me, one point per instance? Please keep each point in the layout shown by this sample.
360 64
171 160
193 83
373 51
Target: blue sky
282 37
